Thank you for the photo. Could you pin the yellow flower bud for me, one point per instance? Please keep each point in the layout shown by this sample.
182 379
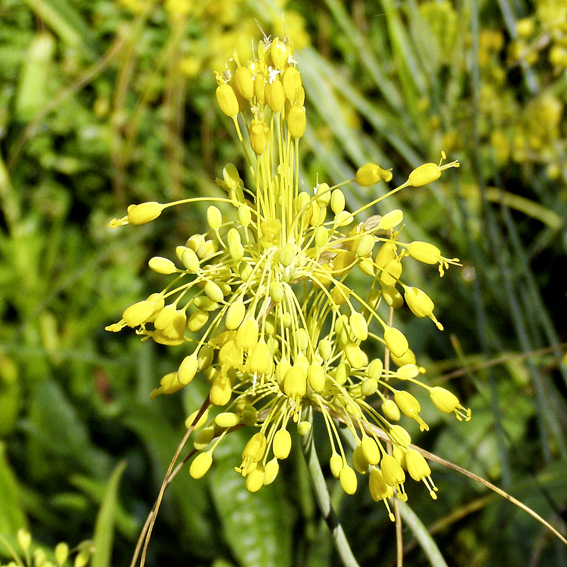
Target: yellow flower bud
336 464
391 220
231 354
370 450
303 428
247 335
296 121
276 291
190 261
138 313
282 444
424 252
370 174
400 436
396 341
162 265
271 471
274 94
249 415
214 292
255 447
144 212
260 87
316 377
295 382
369 387
410 407
235 314
323 194
375 368
447 402
344 218
365 245
407 358
255 480
420 304
325 349
82 558
202 420
231 176
342 373
200 465
214 217
227 419
169 384
187 369
337 201
419 469
392 296
260 359
205 356
236 250
424 174
347 478
61 553
279 53
390 410
359 462
244 82
259 136
354 355
227 100
379 490
391 273
221 391
358 326
292 83
393 473
386 254
407 371
204 437
24 539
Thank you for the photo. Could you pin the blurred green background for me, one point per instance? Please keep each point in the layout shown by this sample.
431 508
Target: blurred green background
104 103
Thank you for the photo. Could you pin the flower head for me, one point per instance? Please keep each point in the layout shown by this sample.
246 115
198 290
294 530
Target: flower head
264 304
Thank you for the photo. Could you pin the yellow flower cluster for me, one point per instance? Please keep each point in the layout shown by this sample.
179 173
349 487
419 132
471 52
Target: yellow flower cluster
39 558
267 292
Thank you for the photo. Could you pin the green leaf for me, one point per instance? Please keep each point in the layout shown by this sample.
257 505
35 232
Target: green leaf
257 526
12 516
104 528
67 23
161 441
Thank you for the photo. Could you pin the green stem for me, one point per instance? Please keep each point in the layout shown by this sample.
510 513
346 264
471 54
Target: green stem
323 498
424 538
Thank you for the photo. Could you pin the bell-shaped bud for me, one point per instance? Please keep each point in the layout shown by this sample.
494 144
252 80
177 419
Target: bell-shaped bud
447 402
370 174
410 407
187 369
282 444
244 82
370 450
390 410
200 465
296 121
347 478
396 341
144 212
227 100
259 136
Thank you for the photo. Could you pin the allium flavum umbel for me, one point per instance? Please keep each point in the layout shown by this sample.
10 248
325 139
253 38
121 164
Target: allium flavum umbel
267 290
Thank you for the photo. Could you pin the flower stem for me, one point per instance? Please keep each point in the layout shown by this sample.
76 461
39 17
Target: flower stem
323 498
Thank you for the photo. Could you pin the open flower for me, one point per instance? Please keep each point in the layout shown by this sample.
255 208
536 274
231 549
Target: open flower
267 293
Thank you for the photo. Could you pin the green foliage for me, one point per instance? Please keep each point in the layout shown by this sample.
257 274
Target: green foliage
108 103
